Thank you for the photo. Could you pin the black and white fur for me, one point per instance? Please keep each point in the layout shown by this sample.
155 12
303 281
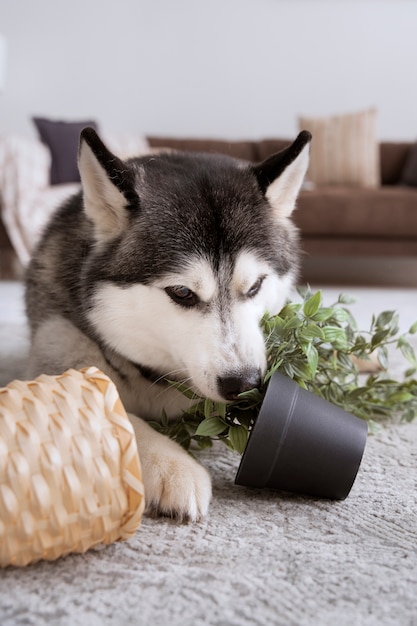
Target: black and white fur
162 268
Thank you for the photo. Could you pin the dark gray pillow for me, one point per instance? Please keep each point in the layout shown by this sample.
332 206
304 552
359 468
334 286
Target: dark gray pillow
409 173
62 140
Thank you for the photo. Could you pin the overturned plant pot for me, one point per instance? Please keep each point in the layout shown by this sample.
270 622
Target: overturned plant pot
303 444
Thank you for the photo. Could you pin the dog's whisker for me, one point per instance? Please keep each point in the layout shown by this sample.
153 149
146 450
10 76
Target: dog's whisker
183 382
192 400
170 375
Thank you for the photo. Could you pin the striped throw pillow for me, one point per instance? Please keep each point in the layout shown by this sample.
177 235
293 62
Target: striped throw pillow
344 149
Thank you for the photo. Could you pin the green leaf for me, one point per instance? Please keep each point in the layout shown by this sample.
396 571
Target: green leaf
293 322
357 392
288 369
312 305
301 370
409 415
384 318
345 361
340 315
335 334
204 443
304 291
312 331
238 436
401 396
313 360
208 408
323 314
221 409
360 344
383 357
407 350
351 320
413 329
374 427
272 370
276 323
289 310
210 427
379 337
345 298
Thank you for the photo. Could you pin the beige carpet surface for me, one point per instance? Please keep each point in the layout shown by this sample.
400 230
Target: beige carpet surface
260 557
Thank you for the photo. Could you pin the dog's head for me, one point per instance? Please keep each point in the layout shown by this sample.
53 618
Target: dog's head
191 251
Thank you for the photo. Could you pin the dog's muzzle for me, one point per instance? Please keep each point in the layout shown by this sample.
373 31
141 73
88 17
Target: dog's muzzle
231 385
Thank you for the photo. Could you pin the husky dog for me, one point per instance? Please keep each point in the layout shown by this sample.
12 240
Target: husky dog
162 267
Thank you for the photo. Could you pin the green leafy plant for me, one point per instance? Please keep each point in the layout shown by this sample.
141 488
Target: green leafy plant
319 347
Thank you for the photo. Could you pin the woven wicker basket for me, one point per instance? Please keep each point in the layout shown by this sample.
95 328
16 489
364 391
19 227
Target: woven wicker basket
70 476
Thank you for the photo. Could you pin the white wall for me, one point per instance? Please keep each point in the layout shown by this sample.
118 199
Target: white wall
234 68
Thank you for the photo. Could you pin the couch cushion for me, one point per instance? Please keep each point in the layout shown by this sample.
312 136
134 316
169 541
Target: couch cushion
409 173
337 211
393 157
237 149
62 140
344 149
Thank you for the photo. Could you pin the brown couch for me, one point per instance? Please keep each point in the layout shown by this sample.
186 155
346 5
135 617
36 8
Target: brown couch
340 221
334 221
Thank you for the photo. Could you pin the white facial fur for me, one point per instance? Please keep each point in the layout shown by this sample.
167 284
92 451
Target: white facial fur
197 344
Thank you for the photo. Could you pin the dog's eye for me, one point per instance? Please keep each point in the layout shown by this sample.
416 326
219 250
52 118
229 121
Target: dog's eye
182 295
255 287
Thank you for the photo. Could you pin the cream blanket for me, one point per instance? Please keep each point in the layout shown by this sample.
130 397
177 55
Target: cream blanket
26 197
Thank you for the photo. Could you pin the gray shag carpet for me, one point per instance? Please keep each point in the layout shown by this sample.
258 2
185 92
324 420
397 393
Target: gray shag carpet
259 558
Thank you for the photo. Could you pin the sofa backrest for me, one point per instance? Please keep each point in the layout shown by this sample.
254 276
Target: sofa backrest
393 155
250 150
237 149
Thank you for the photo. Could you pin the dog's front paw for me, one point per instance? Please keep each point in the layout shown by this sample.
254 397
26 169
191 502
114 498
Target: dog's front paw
175 484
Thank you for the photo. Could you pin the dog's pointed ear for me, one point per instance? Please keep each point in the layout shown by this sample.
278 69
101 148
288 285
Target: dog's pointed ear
108 186
281 175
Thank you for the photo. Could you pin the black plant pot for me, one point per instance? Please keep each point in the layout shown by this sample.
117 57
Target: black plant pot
302 443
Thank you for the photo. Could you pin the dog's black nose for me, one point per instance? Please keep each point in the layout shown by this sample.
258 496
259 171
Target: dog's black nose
232 385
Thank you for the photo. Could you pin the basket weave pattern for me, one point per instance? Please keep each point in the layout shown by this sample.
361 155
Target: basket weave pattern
70 476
